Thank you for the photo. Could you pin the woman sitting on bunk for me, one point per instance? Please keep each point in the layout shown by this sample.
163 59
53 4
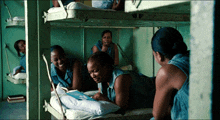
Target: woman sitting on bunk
109 4
20 47
128 90
65 2
106 45
69 73
172 79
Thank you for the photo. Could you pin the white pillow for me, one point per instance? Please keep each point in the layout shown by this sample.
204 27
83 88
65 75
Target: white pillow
94 107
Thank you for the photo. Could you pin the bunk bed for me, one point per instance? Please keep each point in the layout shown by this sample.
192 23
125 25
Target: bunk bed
135 15
79 15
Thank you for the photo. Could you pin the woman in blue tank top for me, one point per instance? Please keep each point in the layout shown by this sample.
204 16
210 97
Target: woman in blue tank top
65 2
128 90
106 45
69 73
172 79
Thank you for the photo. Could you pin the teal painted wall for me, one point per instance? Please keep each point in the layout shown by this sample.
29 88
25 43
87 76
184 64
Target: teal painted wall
1 77
143 57
77 42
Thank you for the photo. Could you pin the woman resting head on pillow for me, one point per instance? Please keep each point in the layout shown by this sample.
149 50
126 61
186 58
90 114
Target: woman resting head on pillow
172 80
70 73
127 90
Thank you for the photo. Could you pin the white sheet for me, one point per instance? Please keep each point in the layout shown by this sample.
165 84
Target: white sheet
79 109
75 6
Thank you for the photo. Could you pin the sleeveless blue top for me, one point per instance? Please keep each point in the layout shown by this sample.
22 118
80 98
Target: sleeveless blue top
141 92
180 107
102 4
67 81
23 63
110 51
180 103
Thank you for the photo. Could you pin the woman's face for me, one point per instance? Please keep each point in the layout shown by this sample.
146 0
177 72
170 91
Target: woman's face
106 39
22 47
58 59
97 72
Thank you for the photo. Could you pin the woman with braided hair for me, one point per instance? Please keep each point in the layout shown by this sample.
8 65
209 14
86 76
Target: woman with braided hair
172 79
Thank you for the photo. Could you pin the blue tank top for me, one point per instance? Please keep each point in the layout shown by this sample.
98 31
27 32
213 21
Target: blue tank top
141 92
110 51
102 4
180 103
23 63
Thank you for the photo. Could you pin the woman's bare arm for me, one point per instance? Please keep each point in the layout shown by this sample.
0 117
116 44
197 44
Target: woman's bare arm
169 79
77 75
116 60
122 85
119 5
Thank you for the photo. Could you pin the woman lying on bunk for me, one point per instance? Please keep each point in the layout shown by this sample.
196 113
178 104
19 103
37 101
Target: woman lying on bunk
20 47
109 4
106 45
65 2
69 73
172 80
128 90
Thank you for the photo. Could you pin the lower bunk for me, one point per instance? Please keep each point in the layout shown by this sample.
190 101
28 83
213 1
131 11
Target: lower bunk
105 110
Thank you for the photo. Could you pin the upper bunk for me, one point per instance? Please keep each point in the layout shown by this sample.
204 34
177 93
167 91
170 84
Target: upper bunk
138 13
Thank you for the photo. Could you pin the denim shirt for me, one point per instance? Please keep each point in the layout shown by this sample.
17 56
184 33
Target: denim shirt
110 51
180 103
23 63
102 4
67 81
180 106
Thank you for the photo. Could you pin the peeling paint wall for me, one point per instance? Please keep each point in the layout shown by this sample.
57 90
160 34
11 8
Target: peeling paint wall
201 59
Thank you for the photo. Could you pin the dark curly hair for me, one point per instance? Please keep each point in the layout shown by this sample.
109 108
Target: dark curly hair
106 31
17 47
56 47
102 58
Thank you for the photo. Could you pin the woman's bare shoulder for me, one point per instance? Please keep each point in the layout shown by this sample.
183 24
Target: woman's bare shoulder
171 75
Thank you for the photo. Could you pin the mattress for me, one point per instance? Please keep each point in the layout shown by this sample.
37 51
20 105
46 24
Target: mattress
144 113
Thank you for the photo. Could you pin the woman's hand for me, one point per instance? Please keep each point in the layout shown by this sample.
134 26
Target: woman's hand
104 48
19 70
99 96
119 5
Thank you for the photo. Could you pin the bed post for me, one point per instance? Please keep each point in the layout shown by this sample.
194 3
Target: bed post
43 48
37 35
31 58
